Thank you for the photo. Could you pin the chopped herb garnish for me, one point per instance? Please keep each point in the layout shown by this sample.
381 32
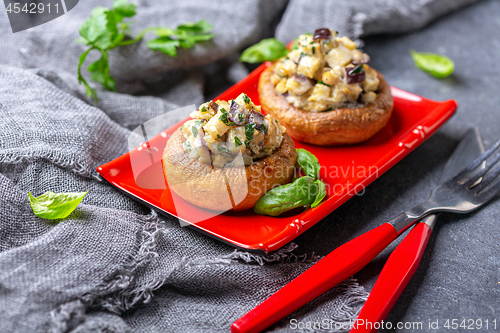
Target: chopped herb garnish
328 109
187 146
232 124
223 118
276 121
194 128
204 109
237 141
223 149
249 129
357 70
263 128
218 136
246 99
241 117
314 49
321 82
223 110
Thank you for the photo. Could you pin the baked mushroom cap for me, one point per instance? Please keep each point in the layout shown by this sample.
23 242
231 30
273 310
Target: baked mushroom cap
335 127
227 188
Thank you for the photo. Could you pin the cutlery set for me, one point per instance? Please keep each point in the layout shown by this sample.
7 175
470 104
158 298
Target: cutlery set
463 190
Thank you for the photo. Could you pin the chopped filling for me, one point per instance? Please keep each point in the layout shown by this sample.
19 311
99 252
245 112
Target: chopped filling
231 132
323 72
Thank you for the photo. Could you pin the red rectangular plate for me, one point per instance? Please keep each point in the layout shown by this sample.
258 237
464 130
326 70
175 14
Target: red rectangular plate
345 171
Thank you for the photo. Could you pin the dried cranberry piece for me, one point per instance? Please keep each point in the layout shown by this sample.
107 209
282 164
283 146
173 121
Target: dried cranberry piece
214 106
256 118
354 74
236 113
322 33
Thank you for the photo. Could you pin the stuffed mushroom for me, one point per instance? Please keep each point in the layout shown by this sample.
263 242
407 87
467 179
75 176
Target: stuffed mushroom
228 156
325 93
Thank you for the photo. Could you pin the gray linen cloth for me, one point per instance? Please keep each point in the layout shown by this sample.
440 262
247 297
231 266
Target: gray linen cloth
114 265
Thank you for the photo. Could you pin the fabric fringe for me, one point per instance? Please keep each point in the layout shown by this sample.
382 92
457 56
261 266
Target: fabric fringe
283 255
52 157
351 297
121 293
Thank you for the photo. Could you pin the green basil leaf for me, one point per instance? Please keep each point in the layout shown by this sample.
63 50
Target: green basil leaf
237 141
437 65
266 50
321 193
301 192
309 163
52 205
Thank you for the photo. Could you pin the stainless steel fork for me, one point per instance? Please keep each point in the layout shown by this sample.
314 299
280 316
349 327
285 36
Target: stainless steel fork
465 192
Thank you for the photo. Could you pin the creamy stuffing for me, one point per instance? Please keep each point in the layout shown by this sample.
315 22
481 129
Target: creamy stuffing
324 72
231 132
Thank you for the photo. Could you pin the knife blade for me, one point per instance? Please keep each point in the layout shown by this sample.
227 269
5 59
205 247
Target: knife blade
404 260
470 147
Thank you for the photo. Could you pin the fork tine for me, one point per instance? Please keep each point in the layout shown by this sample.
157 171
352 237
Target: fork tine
488 180
465 172
483 172
490 193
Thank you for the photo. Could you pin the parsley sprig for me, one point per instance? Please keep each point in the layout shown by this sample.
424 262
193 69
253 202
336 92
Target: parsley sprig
105 30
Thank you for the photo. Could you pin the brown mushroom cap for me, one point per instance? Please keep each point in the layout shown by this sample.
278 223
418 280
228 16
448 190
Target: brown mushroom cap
335 127
229 188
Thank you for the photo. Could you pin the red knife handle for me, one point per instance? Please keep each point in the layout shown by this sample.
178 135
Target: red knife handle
322 276
393 279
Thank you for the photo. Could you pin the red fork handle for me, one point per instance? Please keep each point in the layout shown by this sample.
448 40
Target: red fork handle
393 279
322 276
